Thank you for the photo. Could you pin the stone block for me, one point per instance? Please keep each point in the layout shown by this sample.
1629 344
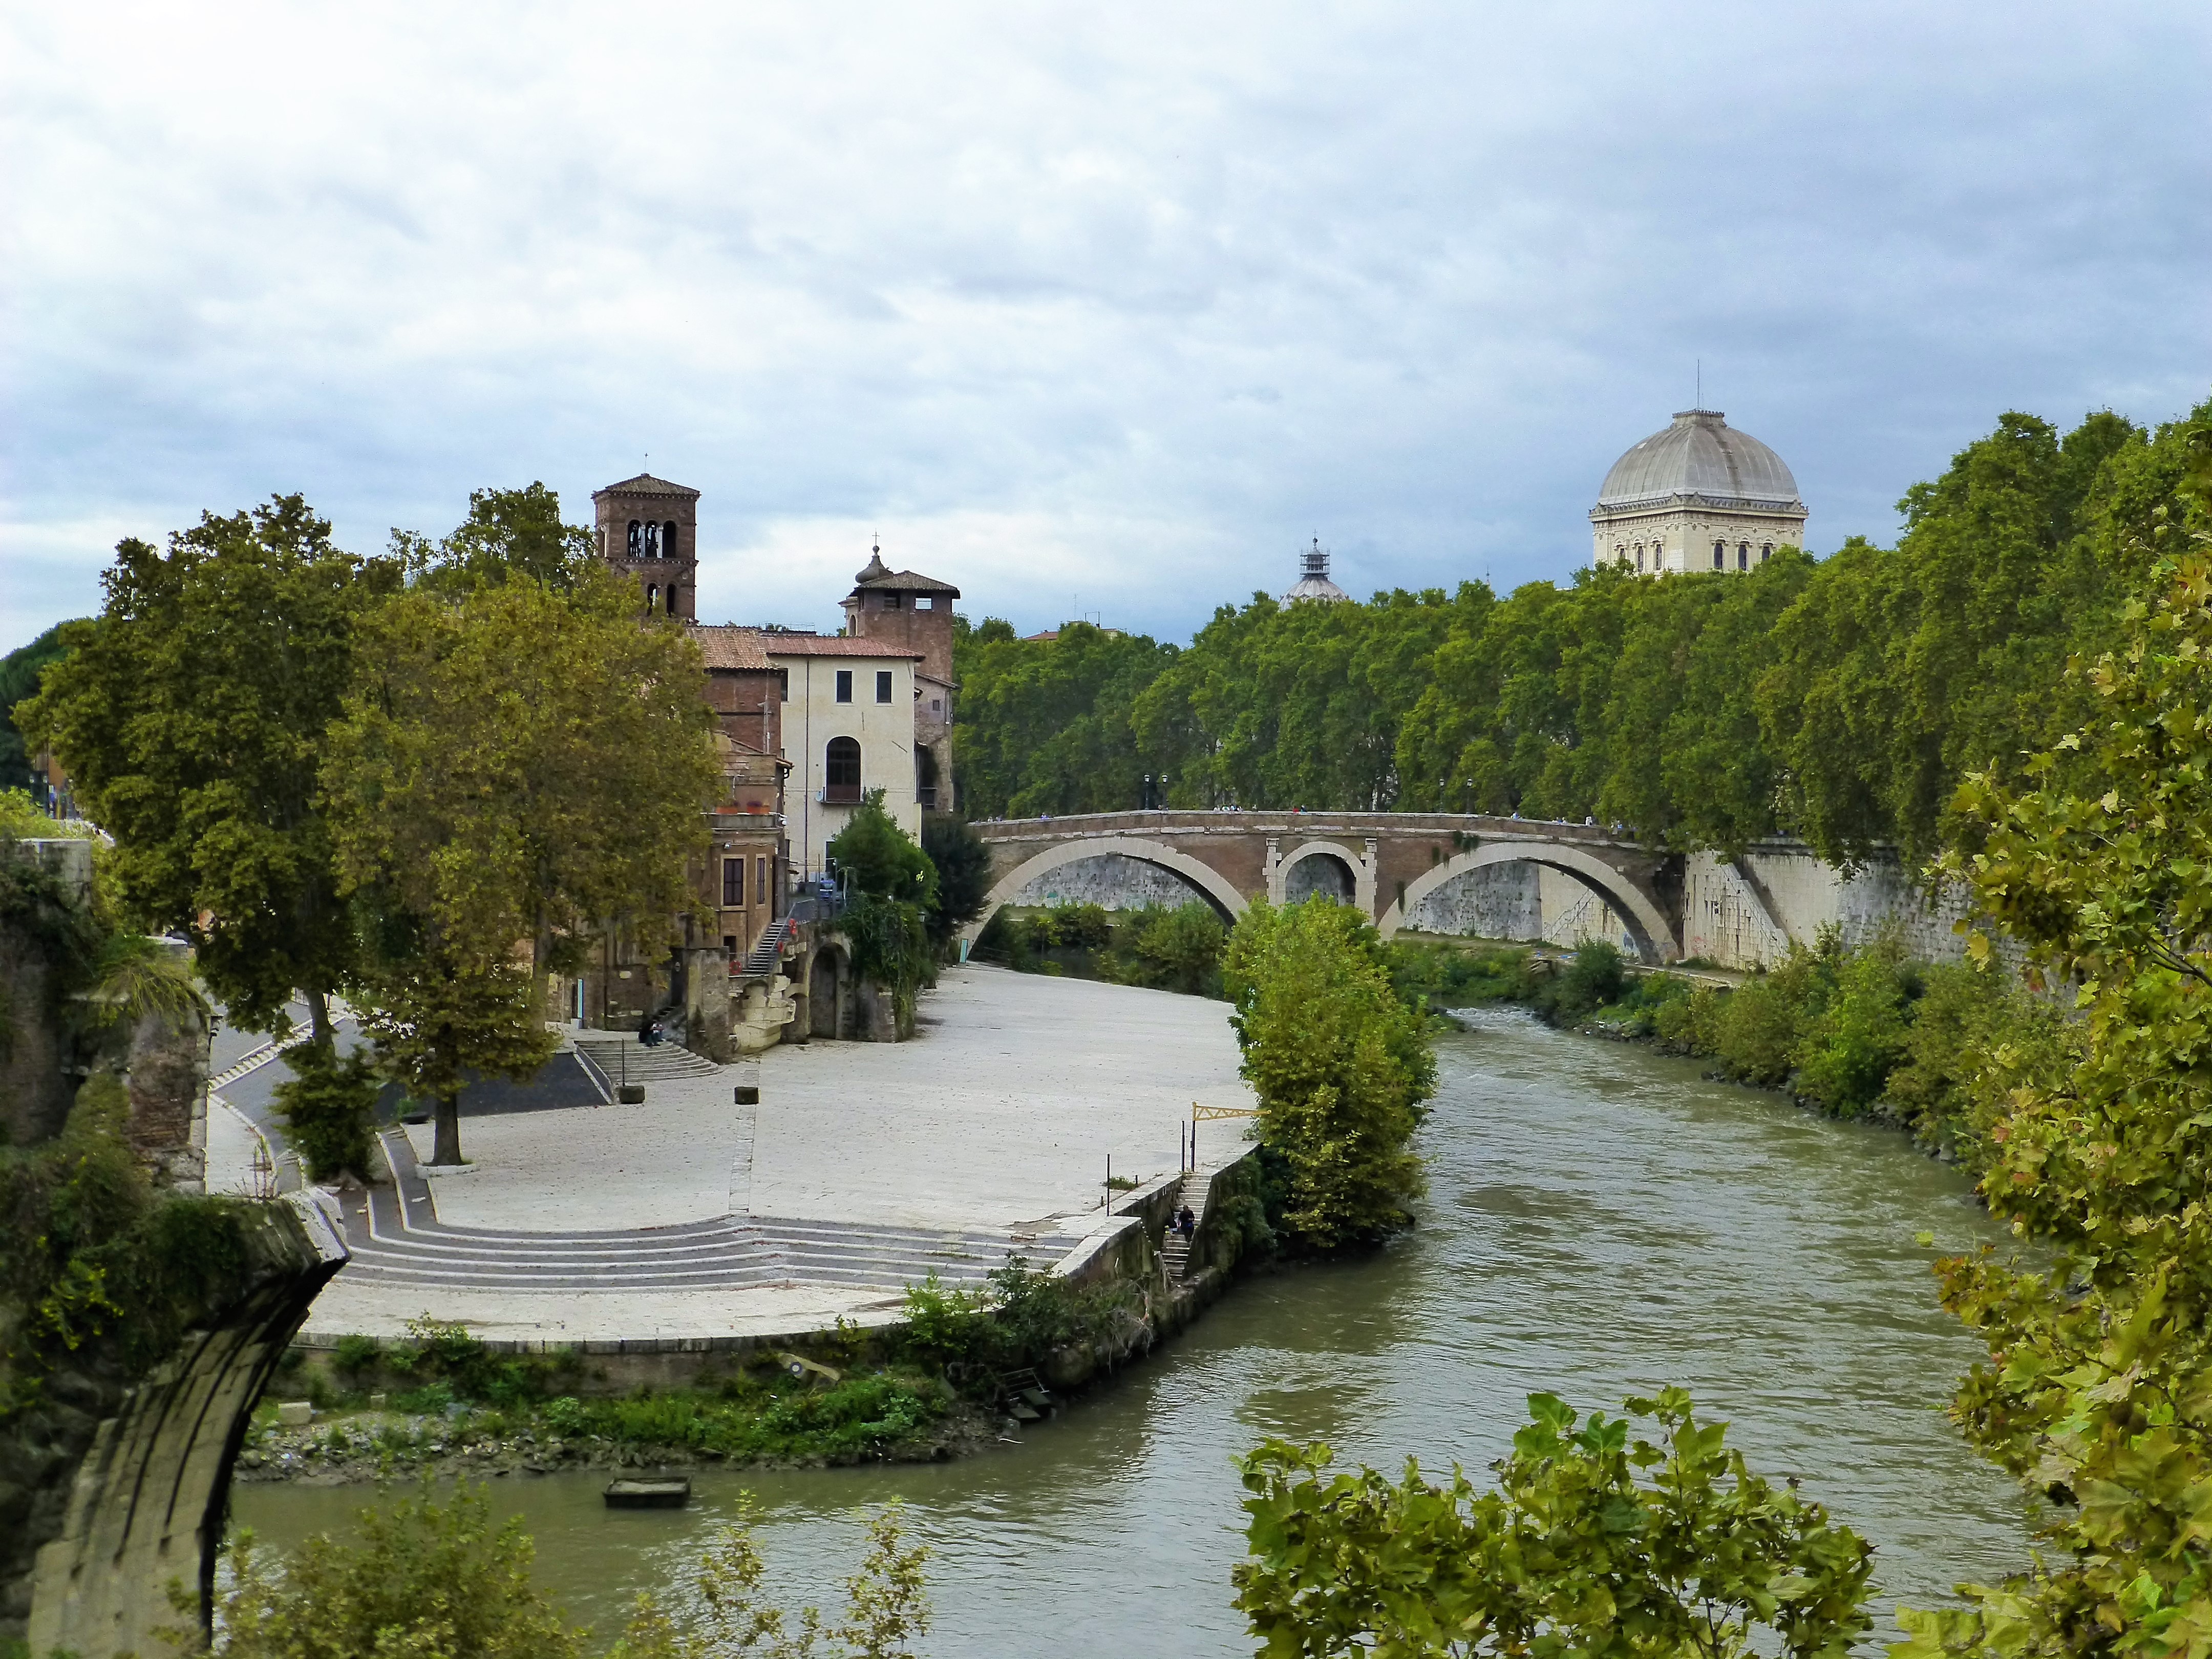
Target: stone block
295 1413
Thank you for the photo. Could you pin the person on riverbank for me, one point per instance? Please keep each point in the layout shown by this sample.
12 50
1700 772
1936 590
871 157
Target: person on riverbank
1186 1223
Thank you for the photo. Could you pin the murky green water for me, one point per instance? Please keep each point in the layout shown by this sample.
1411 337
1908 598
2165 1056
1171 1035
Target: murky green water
1600 1221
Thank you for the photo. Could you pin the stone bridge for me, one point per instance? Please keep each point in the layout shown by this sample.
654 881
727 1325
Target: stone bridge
1384 862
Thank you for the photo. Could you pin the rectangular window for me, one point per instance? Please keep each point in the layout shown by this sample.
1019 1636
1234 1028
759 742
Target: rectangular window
891 601
844 686
883 685
783 684
923 602
729 945
760 876
733 881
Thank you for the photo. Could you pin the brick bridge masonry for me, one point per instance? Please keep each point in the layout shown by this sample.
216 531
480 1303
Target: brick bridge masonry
1389 860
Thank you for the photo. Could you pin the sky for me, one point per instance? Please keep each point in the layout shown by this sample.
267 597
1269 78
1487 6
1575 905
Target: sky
1101 312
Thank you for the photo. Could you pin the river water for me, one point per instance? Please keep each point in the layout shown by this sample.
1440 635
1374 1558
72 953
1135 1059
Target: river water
1600 1221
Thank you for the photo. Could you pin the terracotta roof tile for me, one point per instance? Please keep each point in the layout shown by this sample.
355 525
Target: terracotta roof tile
907 581
830 645
646 485
728 645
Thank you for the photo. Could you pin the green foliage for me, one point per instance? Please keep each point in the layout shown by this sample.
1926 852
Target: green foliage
1593 979
95 1271
878 858
192 715
887 1604
858 1417
2097 1395
19 678
1045 726
1841 699
962 863
1429 975
329 1108
481 794
1589 1545
510 535
357 1353
425 1578
1168 949
23 819
890 946
1339 1065
1017 1319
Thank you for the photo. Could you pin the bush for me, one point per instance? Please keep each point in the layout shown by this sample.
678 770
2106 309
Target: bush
1175 948
1690 1024
1428 975
1849 1044
329 1108
1339 1064
425 1578
1594 979
1019 1318
356 1355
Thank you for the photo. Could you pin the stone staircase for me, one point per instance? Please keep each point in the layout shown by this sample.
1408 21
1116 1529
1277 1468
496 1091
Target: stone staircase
1175 1253
622 1057
767 950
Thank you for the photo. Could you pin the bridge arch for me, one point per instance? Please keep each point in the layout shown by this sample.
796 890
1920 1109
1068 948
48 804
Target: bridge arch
1358 871
1215 887
1655 936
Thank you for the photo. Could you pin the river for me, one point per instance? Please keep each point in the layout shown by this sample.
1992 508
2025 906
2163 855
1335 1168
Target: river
1601 1220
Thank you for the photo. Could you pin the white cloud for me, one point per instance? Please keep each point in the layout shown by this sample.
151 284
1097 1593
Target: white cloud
1123 303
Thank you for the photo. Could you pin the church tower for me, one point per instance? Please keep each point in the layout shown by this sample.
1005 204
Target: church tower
649 529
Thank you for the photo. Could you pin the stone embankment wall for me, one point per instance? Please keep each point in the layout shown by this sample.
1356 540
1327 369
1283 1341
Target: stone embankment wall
126 1483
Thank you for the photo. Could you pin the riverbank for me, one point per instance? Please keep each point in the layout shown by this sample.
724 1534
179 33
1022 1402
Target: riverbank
1602 1220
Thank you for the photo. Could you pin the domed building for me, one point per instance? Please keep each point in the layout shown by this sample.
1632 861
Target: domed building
1700 495
1313 583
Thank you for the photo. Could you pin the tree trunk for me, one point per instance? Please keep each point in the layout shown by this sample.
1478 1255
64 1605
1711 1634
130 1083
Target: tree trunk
447 1146
319 1017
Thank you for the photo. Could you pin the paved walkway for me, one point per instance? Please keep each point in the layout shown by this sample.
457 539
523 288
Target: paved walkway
865 1168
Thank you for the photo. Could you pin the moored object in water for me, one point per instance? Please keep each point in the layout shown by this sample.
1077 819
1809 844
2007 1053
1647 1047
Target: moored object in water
669 1492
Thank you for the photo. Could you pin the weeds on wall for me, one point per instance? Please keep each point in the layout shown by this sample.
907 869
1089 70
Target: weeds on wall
97 1273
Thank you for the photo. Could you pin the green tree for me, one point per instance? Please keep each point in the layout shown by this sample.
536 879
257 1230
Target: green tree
191 715
19 678
509 535
962 863
1572 1554
879 859
2099 1392
518 767
1338 1062
892 886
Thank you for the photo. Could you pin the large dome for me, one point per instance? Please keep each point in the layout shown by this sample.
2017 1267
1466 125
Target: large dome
1700 455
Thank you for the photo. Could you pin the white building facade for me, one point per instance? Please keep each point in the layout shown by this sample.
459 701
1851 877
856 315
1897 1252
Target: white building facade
1700 495
849 728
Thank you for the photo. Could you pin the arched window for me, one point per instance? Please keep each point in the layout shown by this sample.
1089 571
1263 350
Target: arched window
651 597
841 772
651 540
668 602
636 538
1765 552
668 540
1720 554
1639 558
1743 556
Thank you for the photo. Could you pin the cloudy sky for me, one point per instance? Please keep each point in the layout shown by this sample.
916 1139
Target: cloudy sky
1091 310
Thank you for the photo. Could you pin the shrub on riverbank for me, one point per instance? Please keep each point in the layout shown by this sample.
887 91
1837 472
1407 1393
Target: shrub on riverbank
1339 1064
1019 1318
1162 947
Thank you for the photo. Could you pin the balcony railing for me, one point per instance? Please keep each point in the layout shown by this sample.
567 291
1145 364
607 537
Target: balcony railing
840 795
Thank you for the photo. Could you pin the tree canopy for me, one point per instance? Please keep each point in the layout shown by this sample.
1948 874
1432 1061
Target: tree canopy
1841 699
19 678
1339 1063
191 715
519 764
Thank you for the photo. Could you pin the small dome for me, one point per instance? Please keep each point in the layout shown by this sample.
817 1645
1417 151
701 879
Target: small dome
1313 581
1700 454
875 568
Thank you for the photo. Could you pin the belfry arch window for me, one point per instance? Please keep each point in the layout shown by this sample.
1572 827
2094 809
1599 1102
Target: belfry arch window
651 597
651 540
841 771
668 540
668 600
636 544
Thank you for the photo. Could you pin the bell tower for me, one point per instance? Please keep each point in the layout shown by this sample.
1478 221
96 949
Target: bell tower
649 529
